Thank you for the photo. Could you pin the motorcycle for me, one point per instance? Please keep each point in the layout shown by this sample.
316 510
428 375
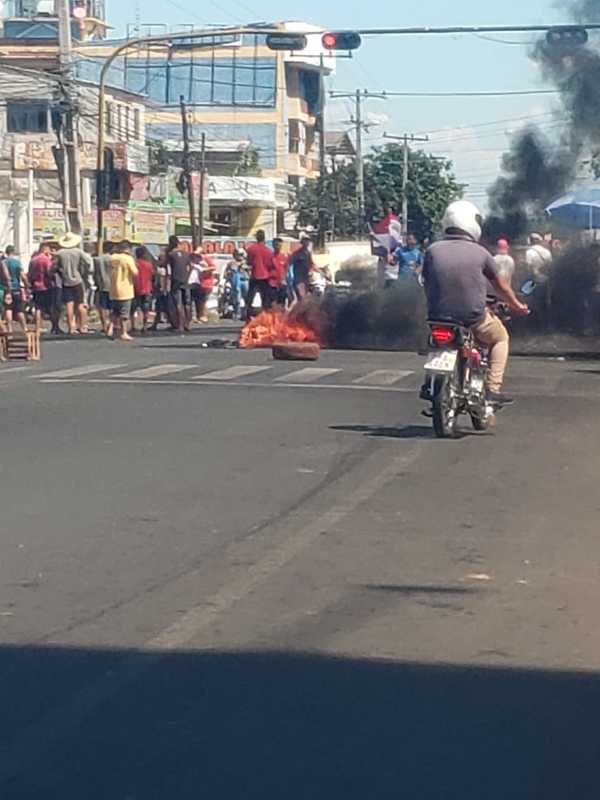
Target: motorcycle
455 374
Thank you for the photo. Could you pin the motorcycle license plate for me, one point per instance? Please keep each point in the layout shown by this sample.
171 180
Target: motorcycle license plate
441 362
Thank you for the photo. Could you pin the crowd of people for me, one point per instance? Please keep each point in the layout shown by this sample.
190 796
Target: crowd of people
125 285
133 291
276 277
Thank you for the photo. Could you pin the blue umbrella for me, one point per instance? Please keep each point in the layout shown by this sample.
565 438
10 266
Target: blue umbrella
579 209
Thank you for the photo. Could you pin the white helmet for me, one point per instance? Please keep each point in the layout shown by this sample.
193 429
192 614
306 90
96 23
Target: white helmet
463 216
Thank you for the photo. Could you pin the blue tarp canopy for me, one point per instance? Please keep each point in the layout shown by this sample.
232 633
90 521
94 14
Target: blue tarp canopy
579 209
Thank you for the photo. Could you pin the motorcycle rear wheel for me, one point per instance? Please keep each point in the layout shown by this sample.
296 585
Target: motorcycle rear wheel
444 412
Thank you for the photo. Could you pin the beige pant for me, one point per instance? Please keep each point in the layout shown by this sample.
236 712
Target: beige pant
492 333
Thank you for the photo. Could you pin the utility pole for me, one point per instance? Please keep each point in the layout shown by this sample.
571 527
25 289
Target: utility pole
359 126
187 170
201 204
360 166
405 139
70 138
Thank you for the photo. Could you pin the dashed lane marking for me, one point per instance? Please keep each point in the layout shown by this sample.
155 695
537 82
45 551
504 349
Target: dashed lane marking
384 377
231 373
75 372
155 372
307 375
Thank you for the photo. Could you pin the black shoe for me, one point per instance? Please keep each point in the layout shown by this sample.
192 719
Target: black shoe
498 399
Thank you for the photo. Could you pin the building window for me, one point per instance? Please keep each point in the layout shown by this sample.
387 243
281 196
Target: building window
26 117
109 118
137 133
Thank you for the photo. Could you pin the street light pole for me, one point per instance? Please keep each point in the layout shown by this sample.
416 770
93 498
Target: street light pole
161 40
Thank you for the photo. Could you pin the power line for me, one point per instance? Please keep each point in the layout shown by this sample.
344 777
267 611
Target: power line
510 93
493 122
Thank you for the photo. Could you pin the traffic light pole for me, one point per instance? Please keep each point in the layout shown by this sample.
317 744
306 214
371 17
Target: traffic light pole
322 156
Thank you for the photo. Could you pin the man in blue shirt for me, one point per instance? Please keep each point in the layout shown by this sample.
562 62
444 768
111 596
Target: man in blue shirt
16 294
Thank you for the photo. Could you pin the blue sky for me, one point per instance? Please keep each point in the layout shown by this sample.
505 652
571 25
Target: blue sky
426 63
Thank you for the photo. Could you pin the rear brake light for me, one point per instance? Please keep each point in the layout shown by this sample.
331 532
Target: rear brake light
442 336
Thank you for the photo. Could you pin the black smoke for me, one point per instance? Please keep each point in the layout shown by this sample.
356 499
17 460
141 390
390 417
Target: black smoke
537 169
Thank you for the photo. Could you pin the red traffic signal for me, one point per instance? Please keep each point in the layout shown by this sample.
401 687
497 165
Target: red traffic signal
342 40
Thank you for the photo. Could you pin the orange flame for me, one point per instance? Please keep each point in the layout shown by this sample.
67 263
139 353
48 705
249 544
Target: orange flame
275 327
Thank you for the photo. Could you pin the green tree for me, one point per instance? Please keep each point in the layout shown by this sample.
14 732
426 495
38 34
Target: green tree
431 187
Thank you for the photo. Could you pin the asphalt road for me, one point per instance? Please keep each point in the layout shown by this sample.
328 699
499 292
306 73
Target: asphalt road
226 577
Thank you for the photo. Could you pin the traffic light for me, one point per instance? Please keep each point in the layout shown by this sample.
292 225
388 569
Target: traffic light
341 40
286 41
571 36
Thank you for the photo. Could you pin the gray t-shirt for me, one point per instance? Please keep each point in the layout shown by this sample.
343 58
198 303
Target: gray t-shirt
73 266
456 273
102 272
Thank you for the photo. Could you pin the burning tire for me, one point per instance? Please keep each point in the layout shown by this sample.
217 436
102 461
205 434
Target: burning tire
296 351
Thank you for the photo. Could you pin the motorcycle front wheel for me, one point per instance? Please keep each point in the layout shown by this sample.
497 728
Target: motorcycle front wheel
444 411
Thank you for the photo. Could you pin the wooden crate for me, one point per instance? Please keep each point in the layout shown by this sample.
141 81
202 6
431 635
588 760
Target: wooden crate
20 347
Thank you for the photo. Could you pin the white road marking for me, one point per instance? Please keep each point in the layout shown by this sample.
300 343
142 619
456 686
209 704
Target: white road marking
306 375
384 377
10 370
230 373
155 372
74 372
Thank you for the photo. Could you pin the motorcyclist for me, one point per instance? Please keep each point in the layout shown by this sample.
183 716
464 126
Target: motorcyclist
455 274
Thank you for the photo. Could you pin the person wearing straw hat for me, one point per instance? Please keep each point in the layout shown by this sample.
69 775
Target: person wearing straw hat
73 266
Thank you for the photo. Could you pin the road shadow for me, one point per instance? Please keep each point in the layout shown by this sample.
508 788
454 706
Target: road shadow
205 344
406 432
127 725
420 589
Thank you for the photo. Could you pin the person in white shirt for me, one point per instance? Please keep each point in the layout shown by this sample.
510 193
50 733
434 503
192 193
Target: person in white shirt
539 258
505 263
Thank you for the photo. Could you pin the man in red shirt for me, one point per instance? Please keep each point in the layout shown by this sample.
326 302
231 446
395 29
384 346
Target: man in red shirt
40 282
383 226
277 277
260 261
143 285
